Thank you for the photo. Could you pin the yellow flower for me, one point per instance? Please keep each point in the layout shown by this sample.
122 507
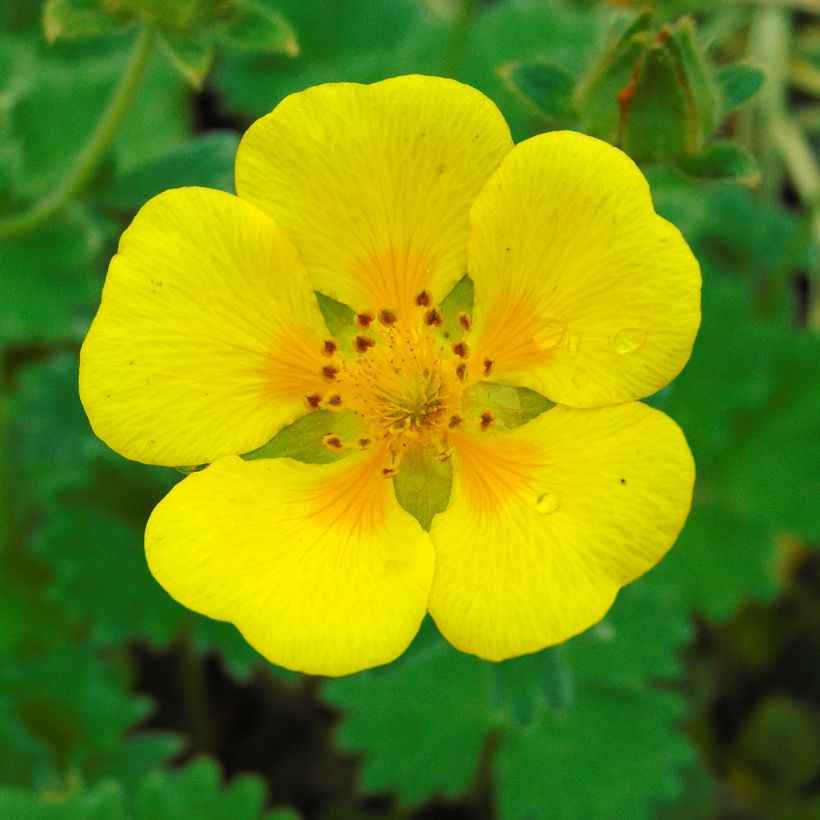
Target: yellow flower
210 340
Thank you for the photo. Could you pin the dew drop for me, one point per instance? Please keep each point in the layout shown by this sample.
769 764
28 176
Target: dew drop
573 342
547 503
549 335
628 340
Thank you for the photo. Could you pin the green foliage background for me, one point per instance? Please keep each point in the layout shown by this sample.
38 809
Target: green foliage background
697 697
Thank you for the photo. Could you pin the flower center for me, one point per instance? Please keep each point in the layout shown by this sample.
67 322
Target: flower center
403 376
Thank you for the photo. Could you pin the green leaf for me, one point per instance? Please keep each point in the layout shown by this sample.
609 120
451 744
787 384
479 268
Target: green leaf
657 118
196 791
339 320
103 802
615 749
459 300
547 88
511 406
423 484
190 54
738 83
207 161
48 295
79 18
420 723
255 27
524 687
723 160
303 440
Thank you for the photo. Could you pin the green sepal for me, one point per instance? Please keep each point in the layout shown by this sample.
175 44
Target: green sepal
302 440
738 83
656 115
459 300
339 319
423 484
723 160
511 406
546 88
190 54
699 84
64 19
255 27
596 96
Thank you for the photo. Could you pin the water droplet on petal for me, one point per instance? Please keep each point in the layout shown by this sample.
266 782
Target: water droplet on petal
549 335
628 340
547 503
573 343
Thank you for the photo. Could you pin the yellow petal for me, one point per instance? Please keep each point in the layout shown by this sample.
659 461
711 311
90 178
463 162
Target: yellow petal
208 338
548 521
374 183
582 292
317 565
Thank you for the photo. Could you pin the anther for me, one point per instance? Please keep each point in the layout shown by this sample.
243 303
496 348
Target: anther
433 318
424 298
488 366
313 401
486 419
388 317
362 343
333 442
330 372
363 443
454 421
329 347
445 455
335 400
389 472
464 321
461 349
363 319
461 371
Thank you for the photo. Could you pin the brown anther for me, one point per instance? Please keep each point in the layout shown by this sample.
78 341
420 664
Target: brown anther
445 455
363 443
455 421
464 321
433 318
461 371
461 349
363 319
389 472
424 298
333 442
388 317
329 347
486 419
362 343
330 372
335 400
313 401
488 366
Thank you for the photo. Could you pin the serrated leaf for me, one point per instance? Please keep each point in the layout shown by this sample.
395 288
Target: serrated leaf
197 791
303 440
723 160
255 27
511 406
547 88
423 484
421 722
615 750
190 54
64 19
206 160
738 84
